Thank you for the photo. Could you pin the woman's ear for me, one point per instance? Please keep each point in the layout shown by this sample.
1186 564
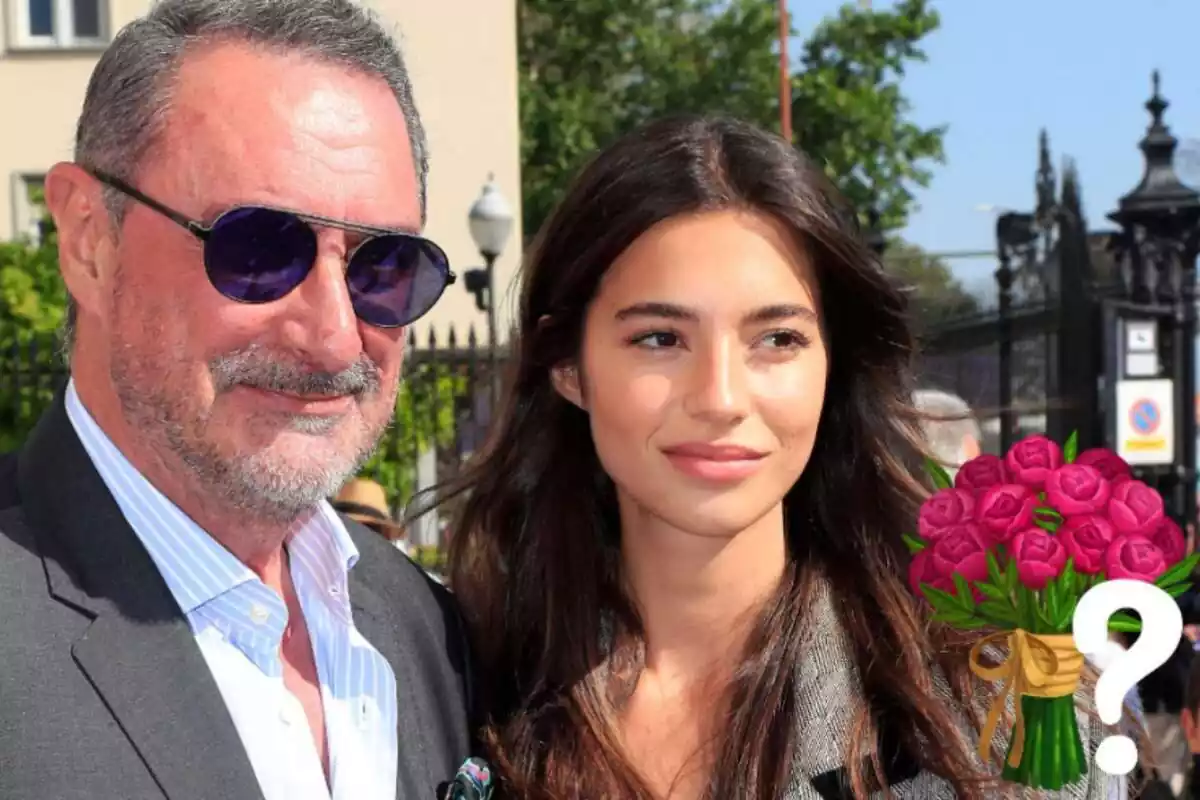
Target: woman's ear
566 382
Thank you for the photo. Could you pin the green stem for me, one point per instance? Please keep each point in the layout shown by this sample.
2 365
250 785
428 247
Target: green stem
1053 754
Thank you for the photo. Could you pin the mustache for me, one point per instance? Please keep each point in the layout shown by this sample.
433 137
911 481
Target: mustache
258 369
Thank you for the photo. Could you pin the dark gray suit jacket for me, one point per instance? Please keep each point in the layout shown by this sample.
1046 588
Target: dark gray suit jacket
103 690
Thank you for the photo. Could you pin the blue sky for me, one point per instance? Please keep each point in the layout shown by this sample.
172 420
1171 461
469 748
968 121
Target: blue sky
999 72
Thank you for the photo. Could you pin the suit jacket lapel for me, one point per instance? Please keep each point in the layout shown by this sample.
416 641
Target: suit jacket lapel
373 618
139 652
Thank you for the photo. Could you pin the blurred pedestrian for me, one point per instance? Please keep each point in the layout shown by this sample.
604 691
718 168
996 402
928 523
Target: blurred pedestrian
950 428
365 501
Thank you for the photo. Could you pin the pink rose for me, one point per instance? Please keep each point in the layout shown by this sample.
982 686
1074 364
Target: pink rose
1077 489
1106 462
1134 557
961 551
1031 460
1168 538
981 472
922 571
1004 510
944 510
1134 508
1039 556
1086 539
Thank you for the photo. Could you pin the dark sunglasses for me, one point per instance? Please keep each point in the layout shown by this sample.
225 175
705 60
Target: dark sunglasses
259 254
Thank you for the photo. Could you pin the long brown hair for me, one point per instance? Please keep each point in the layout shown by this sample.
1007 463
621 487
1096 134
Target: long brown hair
534 557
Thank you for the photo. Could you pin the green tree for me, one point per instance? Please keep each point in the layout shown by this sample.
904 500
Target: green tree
32 306
594 69
936 296
850 114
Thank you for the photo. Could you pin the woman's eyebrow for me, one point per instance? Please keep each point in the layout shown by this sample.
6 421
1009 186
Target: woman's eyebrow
771 313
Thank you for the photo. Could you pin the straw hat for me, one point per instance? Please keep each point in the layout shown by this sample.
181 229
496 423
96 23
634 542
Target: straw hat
365 501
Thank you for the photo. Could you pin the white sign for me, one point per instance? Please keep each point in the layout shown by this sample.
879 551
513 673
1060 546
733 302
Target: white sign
1140 336
1146 421
1141 365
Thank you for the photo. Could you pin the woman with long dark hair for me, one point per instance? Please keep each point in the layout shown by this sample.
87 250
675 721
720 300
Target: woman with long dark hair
680 554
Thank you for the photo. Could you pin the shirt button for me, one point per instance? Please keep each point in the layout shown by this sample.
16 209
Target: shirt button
336 591
259 614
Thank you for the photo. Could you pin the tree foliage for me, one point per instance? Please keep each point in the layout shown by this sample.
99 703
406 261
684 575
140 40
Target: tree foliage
594 69
32 305
936 296
850 114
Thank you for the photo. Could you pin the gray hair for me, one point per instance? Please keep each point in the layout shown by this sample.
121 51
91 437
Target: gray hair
948 421
129 94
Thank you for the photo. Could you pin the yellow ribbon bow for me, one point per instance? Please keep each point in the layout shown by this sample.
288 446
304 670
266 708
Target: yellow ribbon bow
1038 665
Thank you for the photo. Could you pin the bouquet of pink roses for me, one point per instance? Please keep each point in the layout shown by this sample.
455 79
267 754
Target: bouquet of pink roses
1012 544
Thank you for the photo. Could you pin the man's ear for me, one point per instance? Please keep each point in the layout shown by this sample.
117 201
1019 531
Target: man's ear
566 382
76 202
1187 721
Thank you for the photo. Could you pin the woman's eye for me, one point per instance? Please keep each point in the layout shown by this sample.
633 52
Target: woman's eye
656 340
786 340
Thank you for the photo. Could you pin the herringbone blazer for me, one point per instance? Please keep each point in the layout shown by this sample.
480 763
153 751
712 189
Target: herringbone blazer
830 694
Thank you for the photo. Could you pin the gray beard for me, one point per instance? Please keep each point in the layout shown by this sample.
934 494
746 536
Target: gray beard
255 484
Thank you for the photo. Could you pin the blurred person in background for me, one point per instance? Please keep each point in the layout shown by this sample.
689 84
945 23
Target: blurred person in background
1189 719
949 426
365 501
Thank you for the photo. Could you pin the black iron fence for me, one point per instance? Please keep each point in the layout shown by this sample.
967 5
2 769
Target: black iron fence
442 411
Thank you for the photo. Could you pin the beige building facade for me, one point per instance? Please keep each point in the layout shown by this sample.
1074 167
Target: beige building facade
463 59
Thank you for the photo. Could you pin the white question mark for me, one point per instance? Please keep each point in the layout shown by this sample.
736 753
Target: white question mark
1162 625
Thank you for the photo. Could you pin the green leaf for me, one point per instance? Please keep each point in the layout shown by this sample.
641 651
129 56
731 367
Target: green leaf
1125 625
1067 615
1066 580
962 591
939 476
999 612
995 576
994 592
1010 576
913 543
1178 572
940 600
1045 524
1071 448
1053 606
1177 589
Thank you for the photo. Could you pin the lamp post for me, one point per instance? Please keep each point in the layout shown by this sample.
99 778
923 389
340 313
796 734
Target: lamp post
1015 234
1157 246
490 221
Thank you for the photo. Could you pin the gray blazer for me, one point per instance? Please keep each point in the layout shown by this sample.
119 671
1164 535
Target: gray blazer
829 690
103 690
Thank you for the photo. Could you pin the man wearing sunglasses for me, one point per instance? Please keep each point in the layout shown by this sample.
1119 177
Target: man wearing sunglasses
182 614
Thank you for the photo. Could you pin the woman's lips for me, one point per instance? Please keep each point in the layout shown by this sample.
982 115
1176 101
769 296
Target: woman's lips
719 463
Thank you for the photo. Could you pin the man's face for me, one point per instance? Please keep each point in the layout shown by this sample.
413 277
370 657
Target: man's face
270 406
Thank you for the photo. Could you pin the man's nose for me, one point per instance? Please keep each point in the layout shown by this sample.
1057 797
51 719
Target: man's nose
321 326
719 387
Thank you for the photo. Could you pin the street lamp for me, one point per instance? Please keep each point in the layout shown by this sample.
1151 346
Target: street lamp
490 221
1157 245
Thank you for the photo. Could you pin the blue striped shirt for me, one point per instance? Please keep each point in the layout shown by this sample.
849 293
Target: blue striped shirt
239 621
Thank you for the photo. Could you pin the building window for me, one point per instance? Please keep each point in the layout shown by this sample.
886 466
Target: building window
61 23
29 206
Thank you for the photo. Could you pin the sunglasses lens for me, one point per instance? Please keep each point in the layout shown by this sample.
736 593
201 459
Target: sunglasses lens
258 255
395 280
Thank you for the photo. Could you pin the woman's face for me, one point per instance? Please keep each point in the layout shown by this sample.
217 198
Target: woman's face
703 370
